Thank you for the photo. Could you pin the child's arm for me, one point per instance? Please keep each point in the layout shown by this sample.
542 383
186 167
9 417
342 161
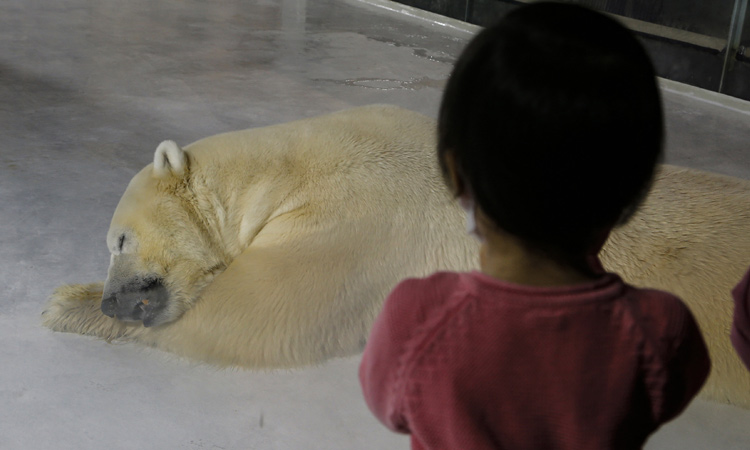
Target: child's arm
741 325
688 367
378 371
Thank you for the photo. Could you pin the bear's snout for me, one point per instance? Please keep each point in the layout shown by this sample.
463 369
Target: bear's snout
109 306
142 300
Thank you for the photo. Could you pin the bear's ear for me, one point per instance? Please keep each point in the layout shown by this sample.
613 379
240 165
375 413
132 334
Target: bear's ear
169 158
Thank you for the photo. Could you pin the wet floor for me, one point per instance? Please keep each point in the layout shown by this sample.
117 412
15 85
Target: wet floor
87 91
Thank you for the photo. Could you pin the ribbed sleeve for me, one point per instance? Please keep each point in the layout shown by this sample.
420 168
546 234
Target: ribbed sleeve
465 361
380 371
741 324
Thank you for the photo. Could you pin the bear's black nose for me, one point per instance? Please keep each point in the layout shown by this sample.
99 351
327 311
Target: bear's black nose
109 306
141 299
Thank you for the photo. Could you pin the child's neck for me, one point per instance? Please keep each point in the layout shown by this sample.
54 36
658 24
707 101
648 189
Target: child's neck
505 257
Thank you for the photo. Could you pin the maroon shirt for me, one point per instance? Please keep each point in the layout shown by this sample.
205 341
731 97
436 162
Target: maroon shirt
465 361
741 324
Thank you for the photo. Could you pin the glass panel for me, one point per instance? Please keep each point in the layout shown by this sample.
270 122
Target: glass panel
745 33
709 19
687 39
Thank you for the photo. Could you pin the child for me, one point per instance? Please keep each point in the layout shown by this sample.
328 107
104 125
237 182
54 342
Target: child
549 132
741 324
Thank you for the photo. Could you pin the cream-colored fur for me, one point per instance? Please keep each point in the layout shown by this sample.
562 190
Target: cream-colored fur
278 244
692 238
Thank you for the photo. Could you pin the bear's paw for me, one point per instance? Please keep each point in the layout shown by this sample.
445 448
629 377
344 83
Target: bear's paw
76 308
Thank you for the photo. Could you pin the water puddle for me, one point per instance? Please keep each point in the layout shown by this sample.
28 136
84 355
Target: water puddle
389 84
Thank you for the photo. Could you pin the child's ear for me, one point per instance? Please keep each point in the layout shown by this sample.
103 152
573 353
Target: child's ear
456 183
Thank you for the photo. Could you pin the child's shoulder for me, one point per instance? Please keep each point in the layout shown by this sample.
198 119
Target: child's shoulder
660 313
441 279
416 297
439 285
655 300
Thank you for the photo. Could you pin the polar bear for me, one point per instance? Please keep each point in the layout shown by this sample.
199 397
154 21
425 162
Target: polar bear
275 247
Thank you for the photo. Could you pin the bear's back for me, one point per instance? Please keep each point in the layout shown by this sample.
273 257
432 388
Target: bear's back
691 238
378 139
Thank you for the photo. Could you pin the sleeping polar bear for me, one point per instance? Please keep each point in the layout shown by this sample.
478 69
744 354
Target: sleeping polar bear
275 247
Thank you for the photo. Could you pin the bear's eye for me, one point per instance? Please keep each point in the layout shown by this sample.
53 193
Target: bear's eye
121 242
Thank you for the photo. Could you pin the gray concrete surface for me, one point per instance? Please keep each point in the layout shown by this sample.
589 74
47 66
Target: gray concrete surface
89 88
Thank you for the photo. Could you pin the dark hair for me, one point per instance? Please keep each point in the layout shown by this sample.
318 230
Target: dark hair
553 119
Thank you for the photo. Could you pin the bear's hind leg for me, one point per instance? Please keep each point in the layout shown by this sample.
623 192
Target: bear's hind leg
76 308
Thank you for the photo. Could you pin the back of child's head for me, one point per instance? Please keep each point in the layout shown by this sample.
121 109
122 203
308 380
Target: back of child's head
553 120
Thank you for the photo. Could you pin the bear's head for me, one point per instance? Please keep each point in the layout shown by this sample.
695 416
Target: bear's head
162 253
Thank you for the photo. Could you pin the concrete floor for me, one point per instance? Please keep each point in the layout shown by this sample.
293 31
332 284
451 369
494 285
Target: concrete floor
89 88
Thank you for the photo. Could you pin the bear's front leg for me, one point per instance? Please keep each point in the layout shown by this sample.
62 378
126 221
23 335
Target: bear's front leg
76 308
